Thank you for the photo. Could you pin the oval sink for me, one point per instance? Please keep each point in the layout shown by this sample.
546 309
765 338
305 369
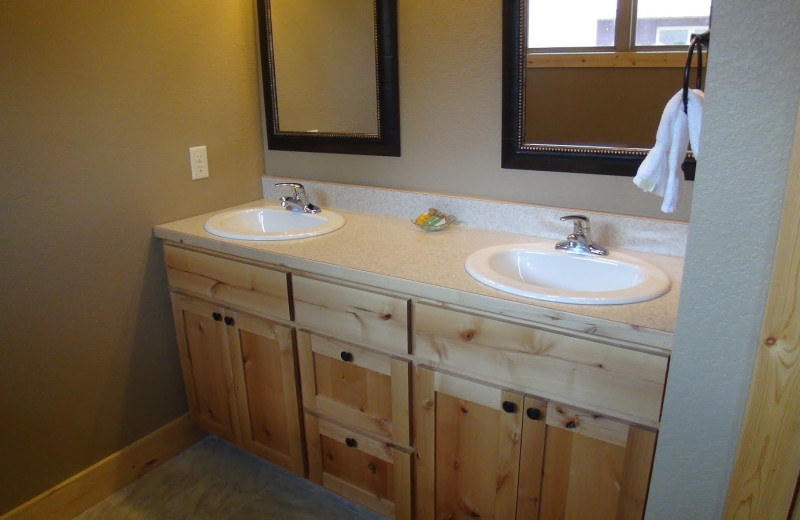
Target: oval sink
537 270
272 223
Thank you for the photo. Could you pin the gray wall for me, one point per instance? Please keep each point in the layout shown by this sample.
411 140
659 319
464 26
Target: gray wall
751 105
99 103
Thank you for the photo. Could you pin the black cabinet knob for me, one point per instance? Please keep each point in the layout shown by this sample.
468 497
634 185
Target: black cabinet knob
534 413
509 407
346 356
217 316
229 320
351 442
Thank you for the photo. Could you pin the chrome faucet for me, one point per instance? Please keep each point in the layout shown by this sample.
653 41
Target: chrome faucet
580 240
299 200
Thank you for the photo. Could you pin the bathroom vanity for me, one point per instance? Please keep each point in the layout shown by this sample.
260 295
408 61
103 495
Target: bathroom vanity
368 361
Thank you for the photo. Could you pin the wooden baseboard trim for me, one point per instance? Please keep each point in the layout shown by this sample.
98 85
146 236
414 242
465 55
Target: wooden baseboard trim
81 491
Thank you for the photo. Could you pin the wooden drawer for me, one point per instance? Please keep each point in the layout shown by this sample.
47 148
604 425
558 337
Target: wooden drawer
248 287
363 389
625 383
373 473
372 319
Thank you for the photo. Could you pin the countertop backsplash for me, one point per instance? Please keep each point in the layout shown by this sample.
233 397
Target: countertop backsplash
666 237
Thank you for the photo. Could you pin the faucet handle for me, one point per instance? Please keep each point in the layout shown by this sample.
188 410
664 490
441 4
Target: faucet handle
580 223
296 187
580 241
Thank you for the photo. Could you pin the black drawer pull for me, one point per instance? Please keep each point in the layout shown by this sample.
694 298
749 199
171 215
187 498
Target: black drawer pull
351 442
217 316
346 356
509 407
229 320
534 413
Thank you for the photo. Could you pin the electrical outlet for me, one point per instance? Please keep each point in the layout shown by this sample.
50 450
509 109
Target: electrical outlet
198 158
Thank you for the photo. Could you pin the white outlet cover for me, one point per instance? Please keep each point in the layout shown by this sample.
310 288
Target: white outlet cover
198 159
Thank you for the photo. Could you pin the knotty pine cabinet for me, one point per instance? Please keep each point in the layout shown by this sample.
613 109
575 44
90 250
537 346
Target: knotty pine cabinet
206 365
266 388
239 368
355 374
413 408
493 440
487 452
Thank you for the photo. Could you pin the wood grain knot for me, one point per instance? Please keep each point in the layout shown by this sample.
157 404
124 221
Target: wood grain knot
386 317
464 409
468 335
770 341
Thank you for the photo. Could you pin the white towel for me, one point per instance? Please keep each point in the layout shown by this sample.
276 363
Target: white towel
660 173
695 117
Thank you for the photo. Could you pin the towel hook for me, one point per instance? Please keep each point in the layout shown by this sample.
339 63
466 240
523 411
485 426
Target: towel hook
696 45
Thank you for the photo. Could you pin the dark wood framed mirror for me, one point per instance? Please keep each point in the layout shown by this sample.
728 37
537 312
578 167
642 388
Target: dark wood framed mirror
330 76
517 152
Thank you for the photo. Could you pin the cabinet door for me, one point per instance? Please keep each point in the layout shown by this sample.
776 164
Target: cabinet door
363 389
263 358
467 438
372 472
594 467
206 365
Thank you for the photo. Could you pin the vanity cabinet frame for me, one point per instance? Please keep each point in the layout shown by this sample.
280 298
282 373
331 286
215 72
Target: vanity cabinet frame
487 416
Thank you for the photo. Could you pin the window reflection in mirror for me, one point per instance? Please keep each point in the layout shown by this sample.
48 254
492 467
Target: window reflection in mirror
599 72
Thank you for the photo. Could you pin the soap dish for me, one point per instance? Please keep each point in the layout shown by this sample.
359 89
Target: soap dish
442 221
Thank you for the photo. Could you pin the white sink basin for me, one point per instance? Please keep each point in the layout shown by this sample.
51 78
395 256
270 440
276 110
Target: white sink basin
272 223
537 270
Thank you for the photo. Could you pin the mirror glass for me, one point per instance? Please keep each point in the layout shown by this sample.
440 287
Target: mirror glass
582 95
325 77
329 73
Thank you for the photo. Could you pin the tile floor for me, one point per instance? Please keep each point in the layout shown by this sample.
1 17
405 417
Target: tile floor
214 480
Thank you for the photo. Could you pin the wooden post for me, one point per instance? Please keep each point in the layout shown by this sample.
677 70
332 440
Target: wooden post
765 473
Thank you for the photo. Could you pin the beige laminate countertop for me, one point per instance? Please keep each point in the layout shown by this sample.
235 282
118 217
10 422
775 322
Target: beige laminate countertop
392 254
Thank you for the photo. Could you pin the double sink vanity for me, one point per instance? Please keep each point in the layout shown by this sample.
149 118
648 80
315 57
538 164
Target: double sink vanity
369 360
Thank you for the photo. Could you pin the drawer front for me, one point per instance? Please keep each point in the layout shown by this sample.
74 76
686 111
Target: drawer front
363 389
371 472
368 318
626 383
248 287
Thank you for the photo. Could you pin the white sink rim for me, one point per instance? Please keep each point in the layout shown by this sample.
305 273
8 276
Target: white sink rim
651 282
272 222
